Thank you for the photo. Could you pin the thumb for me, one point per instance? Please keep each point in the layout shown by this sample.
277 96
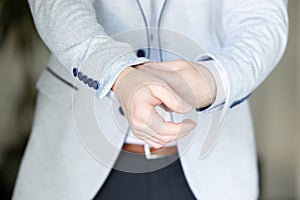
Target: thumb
170 99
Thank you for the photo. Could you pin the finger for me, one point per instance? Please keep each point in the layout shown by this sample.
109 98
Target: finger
173 129
171 77
146 136
158 126
170 99
153 144
177 82
148 120
145 120
162 139
168 131
170 138
163 106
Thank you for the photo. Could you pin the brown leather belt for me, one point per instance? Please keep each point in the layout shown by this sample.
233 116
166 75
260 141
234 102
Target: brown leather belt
154 153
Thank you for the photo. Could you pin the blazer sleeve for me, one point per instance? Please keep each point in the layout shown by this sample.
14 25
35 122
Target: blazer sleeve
253 36
72 33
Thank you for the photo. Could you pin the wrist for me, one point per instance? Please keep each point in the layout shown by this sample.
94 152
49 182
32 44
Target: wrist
209 88
122 74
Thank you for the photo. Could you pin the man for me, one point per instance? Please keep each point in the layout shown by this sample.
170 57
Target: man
147 56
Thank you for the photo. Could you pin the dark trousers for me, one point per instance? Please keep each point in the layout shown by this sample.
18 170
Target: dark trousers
163 179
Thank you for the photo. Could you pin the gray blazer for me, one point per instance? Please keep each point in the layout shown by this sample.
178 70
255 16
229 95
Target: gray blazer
100 38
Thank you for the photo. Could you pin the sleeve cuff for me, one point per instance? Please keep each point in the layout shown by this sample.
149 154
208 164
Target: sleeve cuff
106 74
109 76
221 83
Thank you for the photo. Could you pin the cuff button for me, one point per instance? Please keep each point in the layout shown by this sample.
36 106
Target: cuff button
121 111
90 82
140 53
80 75
85 79
75 72
96 85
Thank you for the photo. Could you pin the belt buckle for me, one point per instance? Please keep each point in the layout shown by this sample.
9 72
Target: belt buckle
148 154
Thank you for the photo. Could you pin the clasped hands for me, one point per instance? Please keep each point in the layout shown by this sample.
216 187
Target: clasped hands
177 86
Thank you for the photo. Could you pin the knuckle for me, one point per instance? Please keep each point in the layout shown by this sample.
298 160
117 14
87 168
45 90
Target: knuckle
174 101
166 140
137 134
134 123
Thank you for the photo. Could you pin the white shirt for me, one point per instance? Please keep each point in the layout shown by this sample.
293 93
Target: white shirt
154 56
156 9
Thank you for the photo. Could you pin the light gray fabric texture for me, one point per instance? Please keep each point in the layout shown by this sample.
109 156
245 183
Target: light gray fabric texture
100 37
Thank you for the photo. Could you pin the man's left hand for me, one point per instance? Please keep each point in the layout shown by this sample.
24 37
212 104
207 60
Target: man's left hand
191 81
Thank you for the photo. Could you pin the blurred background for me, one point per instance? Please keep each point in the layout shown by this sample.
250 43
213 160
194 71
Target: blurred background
275 104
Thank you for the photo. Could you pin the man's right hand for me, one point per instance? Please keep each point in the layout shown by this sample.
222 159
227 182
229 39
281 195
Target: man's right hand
139 93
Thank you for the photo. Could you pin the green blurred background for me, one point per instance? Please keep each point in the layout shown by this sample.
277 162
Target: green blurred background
275 104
